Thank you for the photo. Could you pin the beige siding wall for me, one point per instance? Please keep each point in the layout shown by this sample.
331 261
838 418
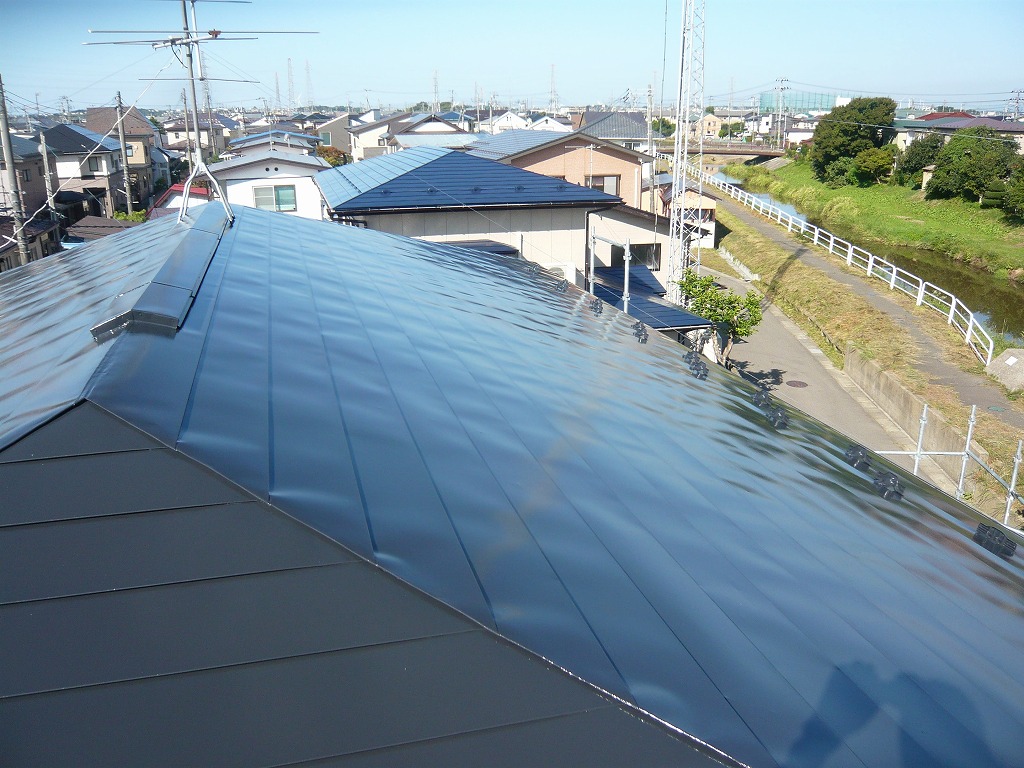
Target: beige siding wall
551 237
575 161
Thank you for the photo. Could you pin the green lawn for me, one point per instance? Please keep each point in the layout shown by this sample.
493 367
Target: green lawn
896 216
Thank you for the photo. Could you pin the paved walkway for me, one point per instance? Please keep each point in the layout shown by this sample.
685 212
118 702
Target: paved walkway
972 389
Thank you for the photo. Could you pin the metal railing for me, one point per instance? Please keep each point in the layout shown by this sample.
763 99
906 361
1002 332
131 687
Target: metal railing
966 456
924 293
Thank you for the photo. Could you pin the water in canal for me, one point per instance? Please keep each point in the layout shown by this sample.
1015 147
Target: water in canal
996 303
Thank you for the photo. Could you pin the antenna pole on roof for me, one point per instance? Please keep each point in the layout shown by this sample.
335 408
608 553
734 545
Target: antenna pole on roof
199 166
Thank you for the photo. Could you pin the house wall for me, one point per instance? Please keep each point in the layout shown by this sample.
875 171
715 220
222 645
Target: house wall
619 225
339 138
576 160
33 191
105 184
239 191
551 237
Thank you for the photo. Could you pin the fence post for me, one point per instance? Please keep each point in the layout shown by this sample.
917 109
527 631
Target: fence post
920 292
849 255
967 454
871 263
831 243
970 327
952 311
892 278
1013 483
817 232
920 439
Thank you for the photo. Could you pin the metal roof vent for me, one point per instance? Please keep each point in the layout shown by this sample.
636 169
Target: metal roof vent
995 541
640 332
597 306
562 286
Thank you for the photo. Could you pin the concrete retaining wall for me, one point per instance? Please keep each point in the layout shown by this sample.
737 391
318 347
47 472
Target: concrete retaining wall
905 408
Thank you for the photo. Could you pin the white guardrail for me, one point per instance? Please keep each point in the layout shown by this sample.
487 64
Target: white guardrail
924 293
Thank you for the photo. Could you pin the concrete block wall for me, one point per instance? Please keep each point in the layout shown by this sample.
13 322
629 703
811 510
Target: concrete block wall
905 408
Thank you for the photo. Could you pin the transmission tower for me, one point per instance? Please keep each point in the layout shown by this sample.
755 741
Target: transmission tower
291 88
685 232
309 88
436 106
553 105
277 93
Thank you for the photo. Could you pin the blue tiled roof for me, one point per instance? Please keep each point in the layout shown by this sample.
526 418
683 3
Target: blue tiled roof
433 178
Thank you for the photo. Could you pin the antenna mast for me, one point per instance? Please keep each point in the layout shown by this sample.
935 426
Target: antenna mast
682 255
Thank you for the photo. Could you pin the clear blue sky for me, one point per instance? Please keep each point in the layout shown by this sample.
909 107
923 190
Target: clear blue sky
387 52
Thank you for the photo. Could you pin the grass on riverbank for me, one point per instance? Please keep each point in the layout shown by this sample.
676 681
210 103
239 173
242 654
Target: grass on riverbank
834 318
895 216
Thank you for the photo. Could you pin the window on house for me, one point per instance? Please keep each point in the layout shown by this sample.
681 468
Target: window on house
94 164
25 174
275 198
609 184
648 254
325 137
129 150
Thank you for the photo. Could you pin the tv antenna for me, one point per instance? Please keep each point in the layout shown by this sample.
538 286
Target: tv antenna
188 39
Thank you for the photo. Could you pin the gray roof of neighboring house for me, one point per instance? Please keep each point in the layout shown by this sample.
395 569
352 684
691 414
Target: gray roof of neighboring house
69 139
271 156
25 149
385 122
500 145
504 446
431 178
277 136
443 140
616 125
103 119
94 227
510 144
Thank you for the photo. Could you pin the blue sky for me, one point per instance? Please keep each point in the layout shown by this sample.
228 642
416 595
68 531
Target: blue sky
387 52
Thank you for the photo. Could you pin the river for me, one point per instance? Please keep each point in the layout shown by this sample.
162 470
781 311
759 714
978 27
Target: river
995 303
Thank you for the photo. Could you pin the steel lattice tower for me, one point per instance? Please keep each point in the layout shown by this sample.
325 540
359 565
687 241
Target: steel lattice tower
689 103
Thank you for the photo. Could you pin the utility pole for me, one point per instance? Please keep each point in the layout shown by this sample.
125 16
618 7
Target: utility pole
12 181
651 152
779 88
124 154
49 181
1015 97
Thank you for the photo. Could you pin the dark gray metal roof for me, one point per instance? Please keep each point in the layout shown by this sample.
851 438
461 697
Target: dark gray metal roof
430 178
486 433
155 614
70 139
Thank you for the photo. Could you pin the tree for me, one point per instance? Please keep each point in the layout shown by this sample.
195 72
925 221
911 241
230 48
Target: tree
731 129
849 130
663 126
971 160
332 155
872 164
915 157
1013 197
735 316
